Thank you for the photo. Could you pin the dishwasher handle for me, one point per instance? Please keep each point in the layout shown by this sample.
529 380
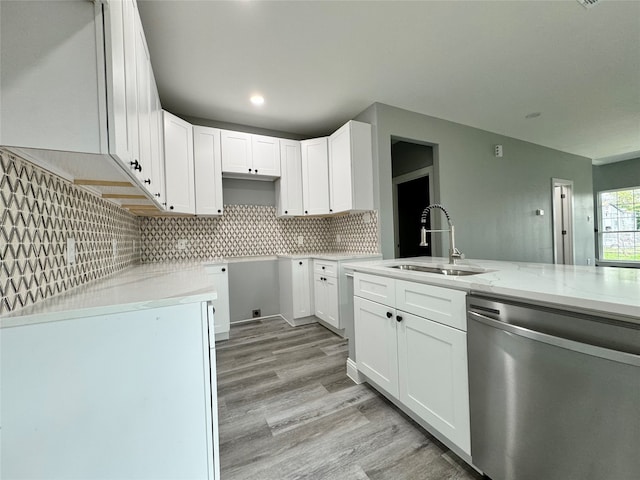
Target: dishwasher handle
585 348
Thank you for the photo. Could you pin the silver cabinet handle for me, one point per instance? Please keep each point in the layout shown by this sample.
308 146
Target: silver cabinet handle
585 348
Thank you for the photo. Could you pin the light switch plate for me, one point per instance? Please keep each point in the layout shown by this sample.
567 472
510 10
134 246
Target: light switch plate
300 240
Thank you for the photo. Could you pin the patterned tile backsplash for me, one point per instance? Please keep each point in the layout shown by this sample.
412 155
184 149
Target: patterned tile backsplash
251 230
40 211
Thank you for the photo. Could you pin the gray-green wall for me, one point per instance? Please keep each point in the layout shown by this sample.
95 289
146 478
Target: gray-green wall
492 201
616 175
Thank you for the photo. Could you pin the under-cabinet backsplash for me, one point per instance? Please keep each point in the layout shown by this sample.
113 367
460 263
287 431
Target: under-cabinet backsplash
253 230
40 211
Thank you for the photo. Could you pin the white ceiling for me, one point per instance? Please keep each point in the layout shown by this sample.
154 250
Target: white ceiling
481 63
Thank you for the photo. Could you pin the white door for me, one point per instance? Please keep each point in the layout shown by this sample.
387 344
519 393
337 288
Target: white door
178 152
315 176
208 170
433 376
376 343
265 153
563 221
236 152
340 181
289 185
301 288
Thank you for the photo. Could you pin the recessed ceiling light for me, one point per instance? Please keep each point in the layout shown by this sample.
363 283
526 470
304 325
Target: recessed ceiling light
257 99
533 115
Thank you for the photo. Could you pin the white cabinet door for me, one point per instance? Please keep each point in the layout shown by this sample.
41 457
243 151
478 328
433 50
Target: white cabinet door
351 168
376 343
319 296
265 155
157 186
333 305
315 176
207 170
340 179
433 376
178 152
289 185
221 316
301 288
143 89
130 15
121 142
236 152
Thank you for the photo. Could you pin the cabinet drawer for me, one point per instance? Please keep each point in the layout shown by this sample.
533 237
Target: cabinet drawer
442 305
327 268
375 288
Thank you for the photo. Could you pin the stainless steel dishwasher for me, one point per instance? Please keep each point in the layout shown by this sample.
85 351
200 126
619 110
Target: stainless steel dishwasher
553 394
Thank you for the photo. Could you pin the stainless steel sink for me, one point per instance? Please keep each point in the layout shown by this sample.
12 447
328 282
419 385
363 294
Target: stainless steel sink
451 271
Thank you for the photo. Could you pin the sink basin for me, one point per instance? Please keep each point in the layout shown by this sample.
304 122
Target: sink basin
451 271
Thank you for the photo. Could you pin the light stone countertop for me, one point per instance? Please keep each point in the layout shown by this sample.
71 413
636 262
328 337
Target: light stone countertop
135 288
602 290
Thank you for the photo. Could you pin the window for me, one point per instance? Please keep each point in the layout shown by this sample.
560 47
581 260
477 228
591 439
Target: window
619 231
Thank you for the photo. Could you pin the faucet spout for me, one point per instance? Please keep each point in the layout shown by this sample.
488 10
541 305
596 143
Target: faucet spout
454 253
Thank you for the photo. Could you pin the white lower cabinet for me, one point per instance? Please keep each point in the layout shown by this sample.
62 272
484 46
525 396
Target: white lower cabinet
419 362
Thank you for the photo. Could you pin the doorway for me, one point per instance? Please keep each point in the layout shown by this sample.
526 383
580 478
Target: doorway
412 176
562 221
412 196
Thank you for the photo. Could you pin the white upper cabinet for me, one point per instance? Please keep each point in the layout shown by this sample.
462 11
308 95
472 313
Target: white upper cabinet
350 168
179 165
289 185
208 170
250 156
315 176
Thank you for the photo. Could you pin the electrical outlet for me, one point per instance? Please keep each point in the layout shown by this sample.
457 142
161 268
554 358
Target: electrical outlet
337 238
300 240
182 244
366 217
114 248
71 250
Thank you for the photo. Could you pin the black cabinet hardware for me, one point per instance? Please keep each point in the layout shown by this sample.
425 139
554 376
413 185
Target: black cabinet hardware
398 318
389 314
148 181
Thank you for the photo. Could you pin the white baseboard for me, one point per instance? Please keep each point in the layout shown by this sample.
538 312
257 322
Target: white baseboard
352 372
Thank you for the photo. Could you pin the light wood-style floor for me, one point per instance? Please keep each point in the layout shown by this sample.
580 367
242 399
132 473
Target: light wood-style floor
288 410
